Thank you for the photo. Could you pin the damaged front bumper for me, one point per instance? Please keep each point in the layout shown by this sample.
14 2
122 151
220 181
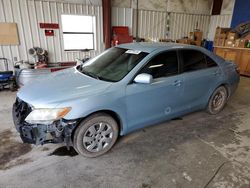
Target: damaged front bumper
39 134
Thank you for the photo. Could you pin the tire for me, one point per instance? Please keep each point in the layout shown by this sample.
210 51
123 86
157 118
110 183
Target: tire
95 135
217 100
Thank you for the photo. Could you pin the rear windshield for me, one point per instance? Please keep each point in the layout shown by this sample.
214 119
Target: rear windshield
113 64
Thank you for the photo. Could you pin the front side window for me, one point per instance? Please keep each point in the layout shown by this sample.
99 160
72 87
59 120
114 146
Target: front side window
78 32
113 64
162 65
193 60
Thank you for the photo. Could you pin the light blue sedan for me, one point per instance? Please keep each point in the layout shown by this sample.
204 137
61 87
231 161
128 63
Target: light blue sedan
125 88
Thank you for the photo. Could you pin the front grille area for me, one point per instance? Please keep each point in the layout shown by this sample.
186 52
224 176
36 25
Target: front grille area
37 133
20 111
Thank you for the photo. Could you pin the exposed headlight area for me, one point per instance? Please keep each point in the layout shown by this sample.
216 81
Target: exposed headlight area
46 115
42 125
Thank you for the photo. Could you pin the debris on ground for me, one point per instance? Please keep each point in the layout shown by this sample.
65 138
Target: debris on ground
186 176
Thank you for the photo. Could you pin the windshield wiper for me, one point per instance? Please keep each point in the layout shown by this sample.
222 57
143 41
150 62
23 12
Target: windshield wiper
90 74
94 75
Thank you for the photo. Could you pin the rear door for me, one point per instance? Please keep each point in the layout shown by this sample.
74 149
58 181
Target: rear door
200 74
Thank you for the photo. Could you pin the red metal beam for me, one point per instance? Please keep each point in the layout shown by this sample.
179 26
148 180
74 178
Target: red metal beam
106 5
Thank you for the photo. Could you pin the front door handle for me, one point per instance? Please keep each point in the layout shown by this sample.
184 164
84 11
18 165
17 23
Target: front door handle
177 83
216 73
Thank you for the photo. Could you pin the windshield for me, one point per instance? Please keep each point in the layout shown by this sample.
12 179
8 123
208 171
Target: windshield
113 64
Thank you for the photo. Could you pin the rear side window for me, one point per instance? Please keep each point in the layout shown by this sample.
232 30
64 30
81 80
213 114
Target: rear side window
210 62
193 60
162 65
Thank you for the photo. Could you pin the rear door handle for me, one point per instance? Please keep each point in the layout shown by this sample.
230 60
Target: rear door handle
177 83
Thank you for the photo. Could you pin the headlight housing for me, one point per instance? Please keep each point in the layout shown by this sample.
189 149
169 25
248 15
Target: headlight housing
46 115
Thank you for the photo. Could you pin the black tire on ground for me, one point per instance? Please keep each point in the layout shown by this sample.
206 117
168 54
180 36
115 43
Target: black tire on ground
217 100
97 130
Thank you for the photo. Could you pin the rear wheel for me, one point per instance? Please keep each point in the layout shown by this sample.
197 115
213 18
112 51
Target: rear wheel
95 135
217 101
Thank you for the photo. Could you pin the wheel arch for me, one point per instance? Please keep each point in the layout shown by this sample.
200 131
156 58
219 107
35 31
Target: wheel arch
112 113
226 85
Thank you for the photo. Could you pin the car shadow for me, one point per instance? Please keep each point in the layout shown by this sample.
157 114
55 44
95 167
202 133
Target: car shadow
64 151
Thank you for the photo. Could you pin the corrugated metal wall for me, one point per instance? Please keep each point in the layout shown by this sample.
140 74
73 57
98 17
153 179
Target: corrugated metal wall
181 24
122 17
152 24
29 13
221 21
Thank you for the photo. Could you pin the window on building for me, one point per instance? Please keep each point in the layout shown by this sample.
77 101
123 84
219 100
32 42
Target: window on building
78 32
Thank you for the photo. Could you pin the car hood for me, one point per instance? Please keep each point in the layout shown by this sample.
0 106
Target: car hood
61 86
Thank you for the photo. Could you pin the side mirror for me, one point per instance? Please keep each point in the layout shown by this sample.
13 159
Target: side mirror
143 78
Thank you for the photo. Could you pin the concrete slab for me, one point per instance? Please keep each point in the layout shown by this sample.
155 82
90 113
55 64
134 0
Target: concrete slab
198 150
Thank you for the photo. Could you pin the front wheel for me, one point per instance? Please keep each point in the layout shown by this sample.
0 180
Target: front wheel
95 135
217 101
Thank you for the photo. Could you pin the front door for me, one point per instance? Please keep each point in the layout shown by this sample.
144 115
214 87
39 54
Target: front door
151 103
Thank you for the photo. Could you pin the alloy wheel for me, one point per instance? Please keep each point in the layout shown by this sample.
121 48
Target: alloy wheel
97 137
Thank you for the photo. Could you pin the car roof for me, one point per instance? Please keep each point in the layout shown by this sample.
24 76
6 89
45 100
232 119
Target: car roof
150 47
153 46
